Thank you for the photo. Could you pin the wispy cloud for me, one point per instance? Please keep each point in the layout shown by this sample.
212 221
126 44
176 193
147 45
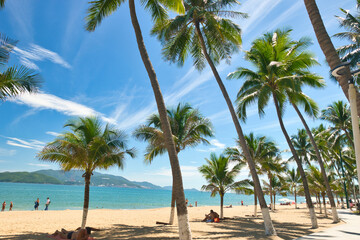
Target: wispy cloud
42 101
31 144
7 152
36 53
275 124
39 165
53 133
216 146
257 10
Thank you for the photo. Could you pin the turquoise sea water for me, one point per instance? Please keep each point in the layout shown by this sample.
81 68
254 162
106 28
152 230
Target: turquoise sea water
62 197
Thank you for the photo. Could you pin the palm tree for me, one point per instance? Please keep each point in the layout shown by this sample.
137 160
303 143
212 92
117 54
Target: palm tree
246 187
220 176
328 48
302 145
338 114
349 52
277 185
97 11
88 146
189 128
18 79
204 33
262 150
293 179
277 59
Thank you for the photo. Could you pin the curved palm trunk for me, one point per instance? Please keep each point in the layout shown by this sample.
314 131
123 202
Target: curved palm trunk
269 228
295 200
271 193
274 200
172 207
255 205
299 165
323 196
321 164
221 206
86 199
328 48
184 227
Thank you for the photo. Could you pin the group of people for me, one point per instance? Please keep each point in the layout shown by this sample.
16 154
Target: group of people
37 204
4 205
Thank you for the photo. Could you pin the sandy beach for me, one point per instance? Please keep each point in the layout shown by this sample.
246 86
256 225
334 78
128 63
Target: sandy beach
290 223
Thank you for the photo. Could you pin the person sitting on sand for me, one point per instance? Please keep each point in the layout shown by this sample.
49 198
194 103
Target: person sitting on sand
211 216
79 234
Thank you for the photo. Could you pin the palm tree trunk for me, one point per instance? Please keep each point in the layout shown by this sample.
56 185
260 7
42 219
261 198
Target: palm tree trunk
274 200
271 192
321 164
328 48
86 199
172 207
184 227
319 201
300 168
221 206
269 228
324 201
295 201
255 205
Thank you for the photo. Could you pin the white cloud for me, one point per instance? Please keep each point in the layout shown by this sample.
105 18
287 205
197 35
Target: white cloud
7 152
39 165
257 10
48 101
218 146
31 144
53 133
36 53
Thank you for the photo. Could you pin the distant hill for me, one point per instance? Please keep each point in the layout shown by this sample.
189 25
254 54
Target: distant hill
26 177
74 177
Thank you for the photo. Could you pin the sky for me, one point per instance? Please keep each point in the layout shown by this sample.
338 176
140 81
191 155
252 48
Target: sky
101 73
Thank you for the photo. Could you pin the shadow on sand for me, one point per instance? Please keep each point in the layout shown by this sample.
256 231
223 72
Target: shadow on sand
235 228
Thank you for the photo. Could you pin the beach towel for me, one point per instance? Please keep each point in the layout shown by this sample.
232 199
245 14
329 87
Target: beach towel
59 238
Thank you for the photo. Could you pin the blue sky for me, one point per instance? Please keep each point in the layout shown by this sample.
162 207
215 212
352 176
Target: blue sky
102 73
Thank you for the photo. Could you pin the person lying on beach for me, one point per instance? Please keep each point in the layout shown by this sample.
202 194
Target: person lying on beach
79 234
230 206
211 216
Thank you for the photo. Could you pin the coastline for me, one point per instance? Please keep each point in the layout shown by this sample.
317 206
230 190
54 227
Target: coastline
290 223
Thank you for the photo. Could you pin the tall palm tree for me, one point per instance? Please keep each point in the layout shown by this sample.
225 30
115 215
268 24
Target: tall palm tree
97 11
206 34
293 179
220 177
316 180
338 114
17 79
88 146
277 185
189 128
311 109
328 48
276 59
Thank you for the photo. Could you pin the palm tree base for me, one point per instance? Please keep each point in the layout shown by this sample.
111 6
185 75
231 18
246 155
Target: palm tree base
314 223
269 228
335 216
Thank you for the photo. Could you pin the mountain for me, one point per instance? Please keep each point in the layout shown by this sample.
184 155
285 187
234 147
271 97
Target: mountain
26 177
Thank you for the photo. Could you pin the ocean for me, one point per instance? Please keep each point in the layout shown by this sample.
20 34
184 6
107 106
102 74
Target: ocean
23 196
